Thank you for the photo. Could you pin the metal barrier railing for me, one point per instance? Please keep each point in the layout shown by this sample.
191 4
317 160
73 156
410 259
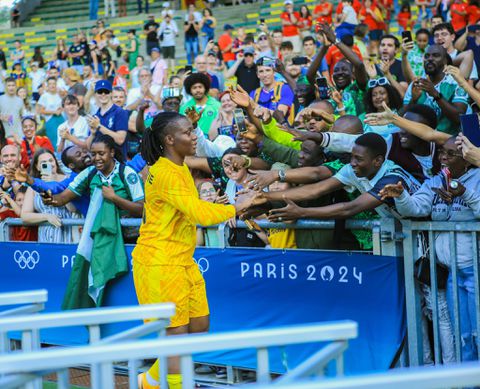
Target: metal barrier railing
443 309
438 377
384 236
31 301
34 364
31 325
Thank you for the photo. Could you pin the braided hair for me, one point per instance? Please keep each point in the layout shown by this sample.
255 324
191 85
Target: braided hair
153 142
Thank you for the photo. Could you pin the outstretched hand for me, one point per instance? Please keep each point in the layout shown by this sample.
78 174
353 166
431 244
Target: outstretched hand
193 115
287 214
380 118
391 191
239 96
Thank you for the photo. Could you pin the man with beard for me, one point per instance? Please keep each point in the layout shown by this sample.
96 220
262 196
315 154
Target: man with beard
439 91
353 90
73 157
197 85
387 49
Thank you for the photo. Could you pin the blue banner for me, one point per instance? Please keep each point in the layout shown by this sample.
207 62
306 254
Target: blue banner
251 288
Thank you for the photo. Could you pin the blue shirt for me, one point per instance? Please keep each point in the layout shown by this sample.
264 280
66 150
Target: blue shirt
81 203
115 119
266 99
137 163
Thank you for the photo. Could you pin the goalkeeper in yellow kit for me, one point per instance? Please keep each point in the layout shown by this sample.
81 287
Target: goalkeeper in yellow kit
163 266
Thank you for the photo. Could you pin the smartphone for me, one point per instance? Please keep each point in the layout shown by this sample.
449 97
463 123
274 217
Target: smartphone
45 169
407 36
188 68
300 60
322 87
262 21
252 225
239 119
227 130
470 124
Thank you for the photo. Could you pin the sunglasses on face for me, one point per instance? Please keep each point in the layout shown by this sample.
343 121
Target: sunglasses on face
103 92
377 82
262 38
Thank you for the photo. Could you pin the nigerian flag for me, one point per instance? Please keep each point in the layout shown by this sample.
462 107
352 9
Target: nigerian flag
100 255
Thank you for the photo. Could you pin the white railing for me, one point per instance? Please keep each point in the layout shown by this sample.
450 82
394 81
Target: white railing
37 363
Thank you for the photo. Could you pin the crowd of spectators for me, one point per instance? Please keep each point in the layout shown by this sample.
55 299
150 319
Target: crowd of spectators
329 117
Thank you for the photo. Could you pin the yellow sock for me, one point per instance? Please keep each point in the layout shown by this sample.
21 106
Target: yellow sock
153 372
174 381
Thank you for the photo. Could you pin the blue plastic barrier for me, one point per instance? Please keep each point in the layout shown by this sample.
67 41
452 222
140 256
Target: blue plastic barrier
251 288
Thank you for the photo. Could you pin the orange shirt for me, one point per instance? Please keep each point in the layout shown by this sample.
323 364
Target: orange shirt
334 55
404 20
291 30
458 21
473 14
224 41
26 153
324 8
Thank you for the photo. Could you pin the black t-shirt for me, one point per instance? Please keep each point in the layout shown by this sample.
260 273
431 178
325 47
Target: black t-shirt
395 70
152 35
191 32
247 77
386 180
75 49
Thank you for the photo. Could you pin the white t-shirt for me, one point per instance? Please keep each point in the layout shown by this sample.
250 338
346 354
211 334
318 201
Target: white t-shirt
37 78
51 102
169 32
79 129
3 75
350 14
135 93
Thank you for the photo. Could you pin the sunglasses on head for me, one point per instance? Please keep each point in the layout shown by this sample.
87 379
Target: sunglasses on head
378 82
103 92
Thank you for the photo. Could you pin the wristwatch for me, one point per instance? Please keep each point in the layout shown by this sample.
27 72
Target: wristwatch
281 175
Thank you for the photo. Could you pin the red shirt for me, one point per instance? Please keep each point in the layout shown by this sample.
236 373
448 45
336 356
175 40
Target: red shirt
334 55
404 20
369 20
291 30
473 14
357 6
26 153
20 234
305 22
458 21
224 41
323 8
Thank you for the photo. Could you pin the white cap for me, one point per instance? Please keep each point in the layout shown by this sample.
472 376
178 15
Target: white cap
166 4
224 142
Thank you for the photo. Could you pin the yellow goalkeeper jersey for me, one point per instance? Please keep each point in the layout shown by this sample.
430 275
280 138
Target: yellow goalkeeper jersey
171 213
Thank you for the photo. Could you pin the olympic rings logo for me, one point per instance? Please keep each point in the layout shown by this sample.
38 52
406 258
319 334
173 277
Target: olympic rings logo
26 259
203 264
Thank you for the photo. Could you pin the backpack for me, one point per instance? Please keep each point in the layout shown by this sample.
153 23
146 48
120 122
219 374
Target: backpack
277 93
121 172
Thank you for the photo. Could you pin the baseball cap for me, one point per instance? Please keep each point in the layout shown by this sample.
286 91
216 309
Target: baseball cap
34 63
169 93
123 70
249 51
228 27
103 85
288 2
156 49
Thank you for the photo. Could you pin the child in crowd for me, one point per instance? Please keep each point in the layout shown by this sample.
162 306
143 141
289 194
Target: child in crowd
18 74
13 209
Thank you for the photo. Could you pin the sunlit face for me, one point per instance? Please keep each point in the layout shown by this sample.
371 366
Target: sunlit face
387 49
70 108
293 70
266 74
10 156
176 83
198 91
227 104
207 192
19 197
102 157
104 96
22 93
422 41
47 158
52 86
139 62
379 96
309 48
363 164
11 88
118 98
29 127
201 64
277 38
444 38
145 77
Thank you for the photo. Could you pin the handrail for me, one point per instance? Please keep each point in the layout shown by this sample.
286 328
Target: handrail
25 297
304 224
176 345
446 376
86 317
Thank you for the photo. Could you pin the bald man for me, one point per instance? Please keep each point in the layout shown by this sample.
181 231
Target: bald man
10 157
